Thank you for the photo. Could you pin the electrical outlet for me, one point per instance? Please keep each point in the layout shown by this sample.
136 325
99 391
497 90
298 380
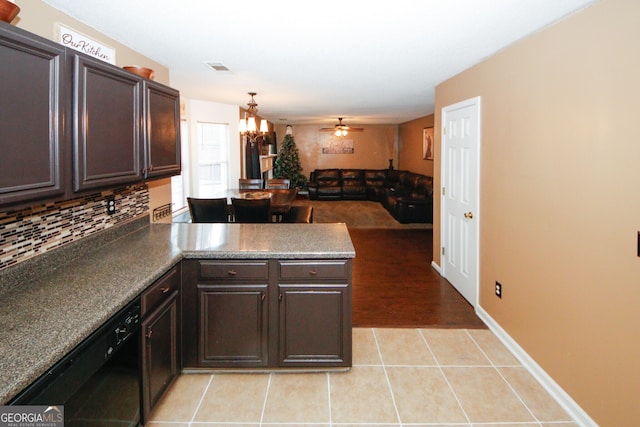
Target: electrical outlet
111 205
498 290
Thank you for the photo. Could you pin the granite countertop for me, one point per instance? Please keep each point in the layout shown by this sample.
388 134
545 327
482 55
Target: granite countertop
254 241
48 305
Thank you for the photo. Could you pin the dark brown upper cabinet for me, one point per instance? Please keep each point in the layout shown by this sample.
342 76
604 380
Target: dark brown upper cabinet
33 109
71 123
107 128
162 130
126 128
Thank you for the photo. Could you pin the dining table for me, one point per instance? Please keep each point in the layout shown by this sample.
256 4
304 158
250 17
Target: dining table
281 199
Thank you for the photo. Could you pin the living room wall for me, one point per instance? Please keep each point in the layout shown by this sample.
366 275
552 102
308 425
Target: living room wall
559 207
410 146
372 148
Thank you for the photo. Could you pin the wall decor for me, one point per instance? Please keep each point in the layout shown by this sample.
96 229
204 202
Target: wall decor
332 144
427 143
83 43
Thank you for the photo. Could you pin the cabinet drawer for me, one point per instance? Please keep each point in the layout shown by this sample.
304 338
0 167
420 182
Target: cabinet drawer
163 288
235 270
334 269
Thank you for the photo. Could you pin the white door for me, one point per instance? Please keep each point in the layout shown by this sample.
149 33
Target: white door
460 181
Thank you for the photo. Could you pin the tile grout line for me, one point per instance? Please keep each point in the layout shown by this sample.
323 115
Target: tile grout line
426 343
264 403
503 378
204 393
329 396
386 375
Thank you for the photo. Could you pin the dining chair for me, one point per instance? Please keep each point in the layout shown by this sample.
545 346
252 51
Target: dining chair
250 184
299 214
276 183
208 210
251 210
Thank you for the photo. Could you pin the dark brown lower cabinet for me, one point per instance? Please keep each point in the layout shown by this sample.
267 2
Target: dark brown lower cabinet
312 323
266 313
160 338
314 318
233 325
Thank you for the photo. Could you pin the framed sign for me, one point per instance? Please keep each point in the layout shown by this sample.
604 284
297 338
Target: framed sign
336 145
83 43
427 143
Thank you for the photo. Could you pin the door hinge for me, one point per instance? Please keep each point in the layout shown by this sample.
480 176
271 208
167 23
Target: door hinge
444 191
443 251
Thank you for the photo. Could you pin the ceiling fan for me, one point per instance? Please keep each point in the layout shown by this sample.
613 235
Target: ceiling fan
341 129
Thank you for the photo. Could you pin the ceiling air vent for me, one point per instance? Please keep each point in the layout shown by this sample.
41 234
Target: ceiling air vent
217 66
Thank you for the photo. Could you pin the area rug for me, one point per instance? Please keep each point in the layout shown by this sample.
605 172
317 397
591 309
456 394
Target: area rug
356 214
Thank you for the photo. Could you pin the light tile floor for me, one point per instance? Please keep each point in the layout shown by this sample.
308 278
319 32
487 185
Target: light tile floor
400 377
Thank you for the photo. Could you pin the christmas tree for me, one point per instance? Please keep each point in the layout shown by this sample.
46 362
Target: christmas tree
288 166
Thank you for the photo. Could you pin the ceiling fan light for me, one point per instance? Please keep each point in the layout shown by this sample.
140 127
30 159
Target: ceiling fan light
337 132
344 132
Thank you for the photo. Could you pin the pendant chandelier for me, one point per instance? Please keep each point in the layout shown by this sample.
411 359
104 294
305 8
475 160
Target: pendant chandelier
248 124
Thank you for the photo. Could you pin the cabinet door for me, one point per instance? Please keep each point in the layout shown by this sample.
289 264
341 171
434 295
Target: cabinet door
315 325
107 125
159 352
233 325
162 128
33 112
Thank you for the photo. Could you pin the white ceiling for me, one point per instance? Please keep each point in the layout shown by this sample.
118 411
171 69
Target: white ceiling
311 62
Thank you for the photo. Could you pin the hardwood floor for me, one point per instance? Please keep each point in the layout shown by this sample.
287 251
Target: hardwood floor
394 284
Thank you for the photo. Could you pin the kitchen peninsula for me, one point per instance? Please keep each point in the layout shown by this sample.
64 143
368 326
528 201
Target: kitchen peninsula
50 304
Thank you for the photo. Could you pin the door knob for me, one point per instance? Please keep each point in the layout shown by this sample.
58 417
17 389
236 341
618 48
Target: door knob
468 215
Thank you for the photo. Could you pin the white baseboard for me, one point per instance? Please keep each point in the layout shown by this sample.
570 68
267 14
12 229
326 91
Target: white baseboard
436 267
563 399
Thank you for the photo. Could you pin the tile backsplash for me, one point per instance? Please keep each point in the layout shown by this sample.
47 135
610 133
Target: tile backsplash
31 231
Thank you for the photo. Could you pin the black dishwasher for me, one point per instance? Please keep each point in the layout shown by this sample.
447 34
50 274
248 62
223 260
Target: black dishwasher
99 381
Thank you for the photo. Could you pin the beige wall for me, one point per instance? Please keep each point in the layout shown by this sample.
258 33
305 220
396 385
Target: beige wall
410 146
560 202
372 148
40 18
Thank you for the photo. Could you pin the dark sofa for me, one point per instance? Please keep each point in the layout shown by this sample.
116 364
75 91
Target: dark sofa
407 196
